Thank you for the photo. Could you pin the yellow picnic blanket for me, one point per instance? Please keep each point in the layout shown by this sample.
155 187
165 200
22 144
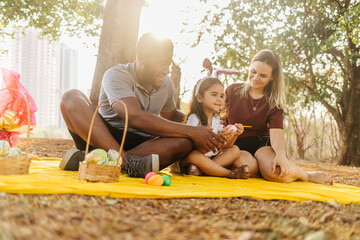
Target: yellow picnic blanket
46 177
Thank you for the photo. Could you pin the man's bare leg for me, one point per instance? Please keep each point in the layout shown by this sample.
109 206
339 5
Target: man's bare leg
168 149
77 112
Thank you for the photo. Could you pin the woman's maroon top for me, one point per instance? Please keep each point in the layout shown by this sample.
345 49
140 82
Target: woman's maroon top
240 110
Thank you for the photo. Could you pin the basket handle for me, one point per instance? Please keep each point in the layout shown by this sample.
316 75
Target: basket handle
28 117
124 134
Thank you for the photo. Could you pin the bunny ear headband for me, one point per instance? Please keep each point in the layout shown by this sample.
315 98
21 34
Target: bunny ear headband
207 64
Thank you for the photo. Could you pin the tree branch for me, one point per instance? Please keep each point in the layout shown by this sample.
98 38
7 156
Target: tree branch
334 89
339 57
338 3
337 116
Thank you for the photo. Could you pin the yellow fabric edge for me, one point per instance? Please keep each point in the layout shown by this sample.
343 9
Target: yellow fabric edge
46 177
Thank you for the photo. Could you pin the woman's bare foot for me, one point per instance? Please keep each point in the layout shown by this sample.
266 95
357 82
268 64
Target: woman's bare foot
194 170
320 177
242 172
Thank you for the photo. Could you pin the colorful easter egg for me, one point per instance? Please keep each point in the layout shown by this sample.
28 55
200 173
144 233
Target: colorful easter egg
101 152
113 155
14 152
156 180
93 157
101 162
4 148
231 127
167 180
149 175
110 163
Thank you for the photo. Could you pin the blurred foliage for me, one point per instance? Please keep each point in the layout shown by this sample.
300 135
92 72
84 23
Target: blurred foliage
49 132
53 17
318 41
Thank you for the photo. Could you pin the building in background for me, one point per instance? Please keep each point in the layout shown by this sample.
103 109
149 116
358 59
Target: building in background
69 75
47 69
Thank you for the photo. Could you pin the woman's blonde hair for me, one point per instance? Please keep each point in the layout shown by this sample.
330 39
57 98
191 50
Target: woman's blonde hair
275 90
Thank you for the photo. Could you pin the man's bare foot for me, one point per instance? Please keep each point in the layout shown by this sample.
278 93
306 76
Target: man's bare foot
242 172
320 177
194 170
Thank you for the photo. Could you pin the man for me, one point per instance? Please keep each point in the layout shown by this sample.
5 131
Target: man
155 138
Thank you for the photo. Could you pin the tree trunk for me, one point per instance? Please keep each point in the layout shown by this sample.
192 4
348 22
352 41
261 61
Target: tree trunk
118 39
176 76
300 146
350 132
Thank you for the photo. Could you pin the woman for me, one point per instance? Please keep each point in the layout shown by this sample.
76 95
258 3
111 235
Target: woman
260 102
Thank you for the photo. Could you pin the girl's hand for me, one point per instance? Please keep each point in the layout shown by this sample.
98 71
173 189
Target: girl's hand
226 134
239 129
223 120
283 163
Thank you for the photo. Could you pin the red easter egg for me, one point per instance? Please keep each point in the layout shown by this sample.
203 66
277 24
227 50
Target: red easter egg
149 175
156 180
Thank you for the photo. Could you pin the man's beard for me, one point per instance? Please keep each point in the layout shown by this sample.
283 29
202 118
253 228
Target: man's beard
148 76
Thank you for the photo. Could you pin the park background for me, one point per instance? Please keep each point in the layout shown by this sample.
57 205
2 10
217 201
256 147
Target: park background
318 41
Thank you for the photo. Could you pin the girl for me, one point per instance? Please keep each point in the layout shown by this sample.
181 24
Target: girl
207 101
261 101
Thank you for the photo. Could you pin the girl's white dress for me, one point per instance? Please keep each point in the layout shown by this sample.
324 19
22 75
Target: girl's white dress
193 120
216 126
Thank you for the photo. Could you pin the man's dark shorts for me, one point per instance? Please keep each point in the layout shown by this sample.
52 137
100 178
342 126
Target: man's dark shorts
132 140
252 144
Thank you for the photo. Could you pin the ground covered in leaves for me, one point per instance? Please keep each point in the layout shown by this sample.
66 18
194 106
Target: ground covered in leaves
87 217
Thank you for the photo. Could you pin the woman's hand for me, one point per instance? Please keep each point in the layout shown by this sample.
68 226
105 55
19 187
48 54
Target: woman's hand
284 164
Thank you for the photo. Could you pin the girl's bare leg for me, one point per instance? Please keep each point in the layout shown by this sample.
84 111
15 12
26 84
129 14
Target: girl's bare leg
207 165
247 158
228 157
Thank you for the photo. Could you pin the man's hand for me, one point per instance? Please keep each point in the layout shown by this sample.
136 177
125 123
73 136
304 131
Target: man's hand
283 163
206 139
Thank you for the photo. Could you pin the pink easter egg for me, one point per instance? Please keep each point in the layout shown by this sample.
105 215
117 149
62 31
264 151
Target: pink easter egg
148 176
231 127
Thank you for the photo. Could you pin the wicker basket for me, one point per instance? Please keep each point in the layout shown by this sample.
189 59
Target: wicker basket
17 165
102 173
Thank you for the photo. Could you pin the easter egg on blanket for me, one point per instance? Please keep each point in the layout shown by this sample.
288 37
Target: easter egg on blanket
167 180
149 175
14 152
93 157
156 180
4 148
101 152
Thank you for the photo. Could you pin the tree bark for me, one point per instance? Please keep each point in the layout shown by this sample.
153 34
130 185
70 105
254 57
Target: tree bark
350 132
176 77
118 39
